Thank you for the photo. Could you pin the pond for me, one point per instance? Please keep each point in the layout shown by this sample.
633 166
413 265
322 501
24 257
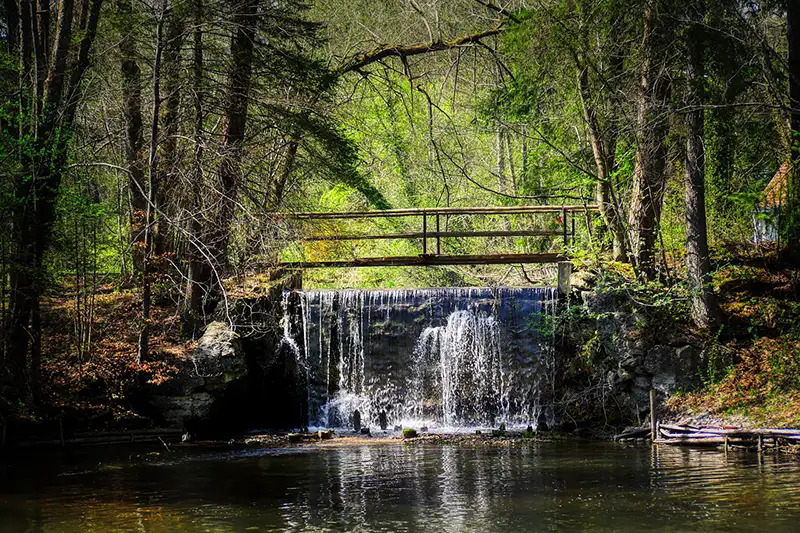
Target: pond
562 486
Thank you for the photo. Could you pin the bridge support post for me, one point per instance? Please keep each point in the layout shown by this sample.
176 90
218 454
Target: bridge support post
564 274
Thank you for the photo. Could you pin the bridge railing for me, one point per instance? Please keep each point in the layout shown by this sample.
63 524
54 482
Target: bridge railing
430 229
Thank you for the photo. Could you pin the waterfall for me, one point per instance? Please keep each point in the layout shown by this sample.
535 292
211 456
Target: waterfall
445 358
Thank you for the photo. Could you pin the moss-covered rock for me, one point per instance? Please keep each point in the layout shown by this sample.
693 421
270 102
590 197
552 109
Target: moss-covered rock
409 433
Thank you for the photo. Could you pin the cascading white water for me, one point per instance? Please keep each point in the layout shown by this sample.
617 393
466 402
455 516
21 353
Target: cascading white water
436 357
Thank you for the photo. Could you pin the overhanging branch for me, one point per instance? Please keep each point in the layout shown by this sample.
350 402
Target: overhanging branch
404 51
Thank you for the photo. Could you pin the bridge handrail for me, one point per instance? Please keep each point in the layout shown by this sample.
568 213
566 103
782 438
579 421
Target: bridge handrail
387 213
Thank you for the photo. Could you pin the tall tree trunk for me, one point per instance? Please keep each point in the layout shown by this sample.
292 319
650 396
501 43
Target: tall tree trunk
649 176
199 264
235 117
698 266
8 125
134 139
152 191
41 42
285 172
604 146
171 68
512 169
793 196
208 276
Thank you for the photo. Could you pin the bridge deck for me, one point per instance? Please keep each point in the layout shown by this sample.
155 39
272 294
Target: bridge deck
431 260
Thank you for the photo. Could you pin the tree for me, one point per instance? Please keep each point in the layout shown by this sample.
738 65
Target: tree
605 60
649 176
153 187
697 256
133 140
203 276
169 189
49 100
793 199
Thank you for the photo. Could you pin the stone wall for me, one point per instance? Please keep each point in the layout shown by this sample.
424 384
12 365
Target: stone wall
608 356
613 353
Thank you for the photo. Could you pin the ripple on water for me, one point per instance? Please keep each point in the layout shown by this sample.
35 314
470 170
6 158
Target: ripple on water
541 488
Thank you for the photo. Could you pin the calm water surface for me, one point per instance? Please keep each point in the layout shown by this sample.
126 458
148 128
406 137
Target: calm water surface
560 487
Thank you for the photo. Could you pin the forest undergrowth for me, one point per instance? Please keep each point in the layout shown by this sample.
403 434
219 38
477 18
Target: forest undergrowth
752 366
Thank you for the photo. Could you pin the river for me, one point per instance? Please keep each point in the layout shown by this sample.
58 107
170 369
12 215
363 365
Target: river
537 487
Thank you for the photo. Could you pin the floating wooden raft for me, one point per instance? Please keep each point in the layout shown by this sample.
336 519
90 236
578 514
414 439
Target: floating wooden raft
673 435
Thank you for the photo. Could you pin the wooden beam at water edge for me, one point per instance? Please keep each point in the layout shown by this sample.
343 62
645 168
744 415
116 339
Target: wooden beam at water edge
431 260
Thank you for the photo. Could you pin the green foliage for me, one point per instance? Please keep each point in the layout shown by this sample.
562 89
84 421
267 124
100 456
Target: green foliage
337 159
543 323
659 307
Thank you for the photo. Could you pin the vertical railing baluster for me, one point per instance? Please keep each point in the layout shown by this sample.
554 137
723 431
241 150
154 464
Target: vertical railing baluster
572 219
438 239
424 234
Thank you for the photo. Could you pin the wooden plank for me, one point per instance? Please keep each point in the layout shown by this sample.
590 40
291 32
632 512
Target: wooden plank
386 213
430 260
435 234
712 441
653 416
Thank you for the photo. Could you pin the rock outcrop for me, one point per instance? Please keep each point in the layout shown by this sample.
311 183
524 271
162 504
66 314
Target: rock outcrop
629 352
209 378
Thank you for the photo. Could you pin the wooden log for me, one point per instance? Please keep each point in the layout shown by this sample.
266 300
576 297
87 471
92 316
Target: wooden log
716 441
696 435
777 431
94 441
109 437
727 437
688 429
160 432
787 432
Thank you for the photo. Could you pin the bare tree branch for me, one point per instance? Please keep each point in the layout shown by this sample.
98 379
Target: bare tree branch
382 52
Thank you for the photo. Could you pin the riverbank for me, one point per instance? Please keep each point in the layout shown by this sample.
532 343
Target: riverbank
172 442
751 375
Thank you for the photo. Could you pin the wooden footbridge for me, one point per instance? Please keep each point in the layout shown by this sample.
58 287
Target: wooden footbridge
431 234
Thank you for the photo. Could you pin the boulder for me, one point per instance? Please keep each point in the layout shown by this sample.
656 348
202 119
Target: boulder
205 378
218 359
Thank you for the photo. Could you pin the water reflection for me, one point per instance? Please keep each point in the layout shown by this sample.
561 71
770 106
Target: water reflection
535 487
